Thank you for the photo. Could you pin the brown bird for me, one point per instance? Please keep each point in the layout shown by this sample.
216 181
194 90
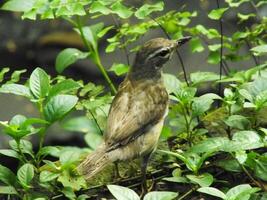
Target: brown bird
137 112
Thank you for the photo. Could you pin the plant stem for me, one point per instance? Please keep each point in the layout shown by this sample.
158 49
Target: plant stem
96 57
221 50
187 193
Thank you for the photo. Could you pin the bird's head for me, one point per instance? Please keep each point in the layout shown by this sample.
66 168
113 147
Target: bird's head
155 53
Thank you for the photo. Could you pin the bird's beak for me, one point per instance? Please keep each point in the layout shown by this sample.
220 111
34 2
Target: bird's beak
182 41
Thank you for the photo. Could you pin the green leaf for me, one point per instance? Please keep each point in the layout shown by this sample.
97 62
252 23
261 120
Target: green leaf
25 146
235 191
7 176
39 83
81 124
160 195
122 193
121 10
67 57
16 89
238 122
146 9
49 150
217 13
104 31
10 153
244 17
261 167
97 6
119 69
212 191
243 140
71 181
201 77
47 176
230 165
93 140
171 83
233 3
3 72
25 174
176 179
196 45
209 145
15 77
64 87
69 157
8 190
111 47
58 106
204 180
202 104
214 57
18 5
91 32
259 50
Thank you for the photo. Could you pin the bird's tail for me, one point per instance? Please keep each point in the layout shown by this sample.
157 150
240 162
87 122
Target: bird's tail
94 163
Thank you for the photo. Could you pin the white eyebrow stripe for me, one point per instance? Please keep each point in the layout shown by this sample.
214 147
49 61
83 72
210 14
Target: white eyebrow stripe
156 52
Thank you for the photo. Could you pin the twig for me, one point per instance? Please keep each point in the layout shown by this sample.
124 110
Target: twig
221 50
123 40
187 193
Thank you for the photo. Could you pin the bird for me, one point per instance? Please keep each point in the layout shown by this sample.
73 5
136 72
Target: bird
137 112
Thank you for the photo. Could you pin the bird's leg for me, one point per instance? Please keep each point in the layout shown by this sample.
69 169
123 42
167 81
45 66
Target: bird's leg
144 162
116 171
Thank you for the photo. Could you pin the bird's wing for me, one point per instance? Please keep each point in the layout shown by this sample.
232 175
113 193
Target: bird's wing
133 111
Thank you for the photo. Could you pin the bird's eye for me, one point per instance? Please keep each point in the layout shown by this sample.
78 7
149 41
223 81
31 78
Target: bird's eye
163 53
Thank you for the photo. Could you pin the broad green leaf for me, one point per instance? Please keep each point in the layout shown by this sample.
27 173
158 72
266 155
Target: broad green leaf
3 72
119 69
25 174
16 89
7 176
233 3
68 157
204 180
10 153
243 140
201 77
202 104
39 83
160 195
25 146
8 190
49 150
104 31
230 165
259 50
146 9
90 33
176 179
217 13
171 83
47 176
67 57
241 156
244 17
58 106
97 6
261 167
122 193
69 193
235 191
93 140
111 47
81 124
121 10
15 77
64 87
238 122
196 45
214 57
18 5
209 145
71 181
212 191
